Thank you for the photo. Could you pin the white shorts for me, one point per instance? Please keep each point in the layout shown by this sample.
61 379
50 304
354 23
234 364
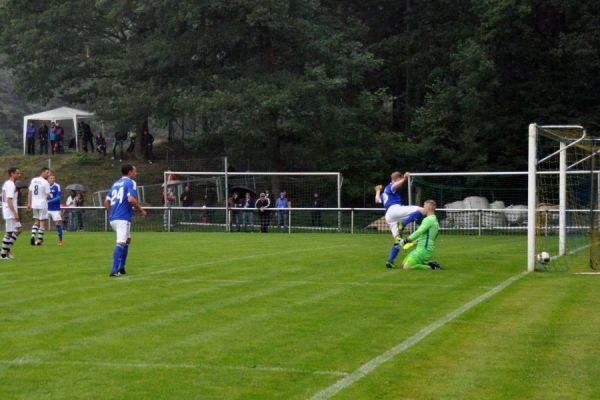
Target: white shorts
55 216
12 225
122 228
40 213
396 214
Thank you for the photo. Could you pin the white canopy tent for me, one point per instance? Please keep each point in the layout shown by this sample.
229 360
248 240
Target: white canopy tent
58 114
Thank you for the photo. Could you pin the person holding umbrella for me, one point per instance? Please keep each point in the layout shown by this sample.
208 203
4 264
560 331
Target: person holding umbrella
74 201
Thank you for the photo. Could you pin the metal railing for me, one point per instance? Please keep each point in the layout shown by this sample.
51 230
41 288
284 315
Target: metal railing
296 220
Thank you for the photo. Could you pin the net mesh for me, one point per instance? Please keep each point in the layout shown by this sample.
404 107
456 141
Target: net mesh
476 204
576 249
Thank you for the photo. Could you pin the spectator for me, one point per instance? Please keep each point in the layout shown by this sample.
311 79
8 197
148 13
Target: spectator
169 199
147 142
119 141
60 136
132 135
31 131
315 215
53 147
79 135
187 200
74 200
248 212
100 144
43 132
235 203
88 137
262 205
281 204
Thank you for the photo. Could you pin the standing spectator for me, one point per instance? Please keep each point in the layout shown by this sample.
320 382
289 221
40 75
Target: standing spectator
132 135
43 132
262 205
79 135
147 142
73 201
60 136
100 144
88 137
187 200
119 141
31 131
53 147
248 212
315 215
10 212
281 204
122 199
235 203
169 199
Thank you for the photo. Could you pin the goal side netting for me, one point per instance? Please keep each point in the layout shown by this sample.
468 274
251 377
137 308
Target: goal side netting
562 199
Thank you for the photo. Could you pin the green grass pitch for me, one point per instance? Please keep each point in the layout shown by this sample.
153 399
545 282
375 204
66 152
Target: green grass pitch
277 316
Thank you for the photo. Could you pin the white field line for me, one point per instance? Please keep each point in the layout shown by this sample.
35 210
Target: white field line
372 364
151 365
587 273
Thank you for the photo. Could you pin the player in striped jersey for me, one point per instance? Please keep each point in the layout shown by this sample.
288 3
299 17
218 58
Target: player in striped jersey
37 200
10 213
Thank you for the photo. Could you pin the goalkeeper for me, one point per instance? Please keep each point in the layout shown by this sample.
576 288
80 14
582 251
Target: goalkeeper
424 238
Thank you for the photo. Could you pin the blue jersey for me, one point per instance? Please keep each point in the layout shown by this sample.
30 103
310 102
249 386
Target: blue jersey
54 201
389 198
120 209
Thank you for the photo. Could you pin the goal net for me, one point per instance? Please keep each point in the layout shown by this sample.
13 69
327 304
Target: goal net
217 197
563 199
474 203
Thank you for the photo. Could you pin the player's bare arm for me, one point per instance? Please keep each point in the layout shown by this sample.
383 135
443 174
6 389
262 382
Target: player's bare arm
134 203
11 207
378 190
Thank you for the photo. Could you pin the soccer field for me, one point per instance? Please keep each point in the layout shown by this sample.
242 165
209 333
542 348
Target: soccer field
277 316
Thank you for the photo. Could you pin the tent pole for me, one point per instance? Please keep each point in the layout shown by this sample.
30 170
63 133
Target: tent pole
24 135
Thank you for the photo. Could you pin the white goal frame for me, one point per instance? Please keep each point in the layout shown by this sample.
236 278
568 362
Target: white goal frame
563 170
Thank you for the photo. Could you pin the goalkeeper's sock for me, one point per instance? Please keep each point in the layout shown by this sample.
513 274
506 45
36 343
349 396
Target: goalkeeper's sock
117 255
59 230
123 258
412 217
421 267
394 252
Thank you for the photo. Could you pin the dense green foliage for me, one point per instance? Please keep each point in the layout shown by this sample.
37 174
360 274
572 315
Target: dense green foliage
362 87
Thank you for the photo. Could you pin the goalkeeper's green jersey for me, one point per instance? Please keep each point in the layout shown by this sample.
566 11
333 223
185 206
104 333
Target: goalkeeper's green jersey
427 233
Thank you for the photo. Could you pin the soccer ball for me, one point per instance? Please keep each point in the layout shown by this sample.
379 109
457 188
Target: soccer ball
543 257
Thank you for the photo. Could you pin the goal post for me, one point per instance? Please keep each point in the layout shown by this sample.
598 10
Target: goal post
562 197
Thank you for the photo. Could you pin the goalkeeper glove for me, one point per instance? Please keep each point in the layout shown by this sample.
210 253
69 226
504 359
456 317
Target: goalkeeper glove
406 244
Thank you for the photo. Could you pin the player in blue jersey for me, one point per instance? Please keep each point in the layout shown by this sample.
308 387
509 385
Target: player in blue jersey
54 213
120 200
397 215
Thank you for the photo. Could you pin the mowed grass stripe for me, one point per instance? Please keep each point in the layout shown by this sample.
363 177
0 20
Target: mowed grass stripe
330 309
145 275
535 340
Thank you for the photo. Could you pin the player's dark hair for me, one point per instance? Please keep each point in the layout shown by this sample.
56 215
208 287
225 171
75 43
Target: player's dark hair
12 170
125 168
44 169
